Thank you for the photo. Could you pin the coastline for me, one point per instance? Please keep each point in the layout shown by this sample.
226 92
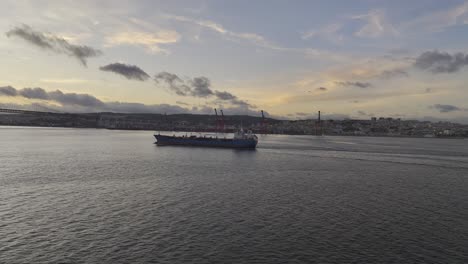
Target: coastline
213 131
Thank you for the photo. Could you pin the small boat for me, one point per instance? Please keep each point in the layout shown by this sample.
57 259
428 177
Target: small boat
241 140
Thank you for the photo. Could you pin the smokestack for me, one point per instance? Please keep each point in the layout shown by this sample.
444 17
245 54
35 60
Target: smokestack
264 123
318 125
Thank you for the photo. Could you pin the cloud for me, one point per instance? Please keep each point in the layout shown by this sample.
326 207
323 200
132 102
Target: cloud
441 62
256 39
443 108
369 68
225 95
53 43
197 87
361 96
173 82
322 89
8 91
34 93
58 101
220 29
395 73
151 41
75 99
302 114
440 20
242 103
131 72
355 84
201 87
376 25
73 102
329 32
56 96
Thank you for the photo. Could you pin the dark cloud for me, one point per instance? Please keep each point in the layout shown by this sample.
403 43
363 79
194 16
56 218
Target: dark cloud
8 91
131 72
225 95
201 87
441 62
242 103
322 89
85 100
443 108
173 82
56 96
197 87
53 101
34 93
395 73
355 84
75 99
73 102
53 43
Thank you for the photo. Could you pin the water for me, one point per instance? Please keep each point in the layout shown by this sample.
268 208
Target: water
100 196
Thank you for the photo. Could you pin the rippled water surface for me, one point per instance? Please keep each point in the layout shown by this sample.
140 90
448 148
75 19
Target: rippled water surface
100 196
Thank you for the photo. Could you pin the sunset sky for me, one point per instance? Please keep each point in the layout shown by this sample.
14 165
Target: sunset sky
355 59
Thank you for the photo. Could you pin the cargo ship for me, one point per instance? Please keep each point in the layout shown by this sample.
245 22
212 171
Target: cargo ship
241 140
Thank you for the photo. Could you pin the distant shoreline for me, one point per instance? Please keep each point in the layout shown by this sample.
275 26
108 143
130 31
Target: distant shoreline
284 134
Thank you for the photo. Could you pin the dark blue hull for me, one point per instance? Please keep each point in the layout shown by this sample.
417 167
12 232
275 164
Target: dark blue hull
205 142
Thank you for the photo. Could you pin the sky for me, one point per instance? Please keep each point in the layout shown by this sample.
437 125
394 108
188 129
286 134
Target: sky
348 59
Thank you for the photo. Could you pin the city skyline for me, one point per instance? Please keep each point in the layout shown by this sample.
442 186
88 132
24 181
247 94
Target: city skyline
360 59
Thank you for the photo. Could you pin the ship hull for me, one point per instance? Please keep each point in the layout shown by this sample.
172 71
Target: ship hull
162 140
